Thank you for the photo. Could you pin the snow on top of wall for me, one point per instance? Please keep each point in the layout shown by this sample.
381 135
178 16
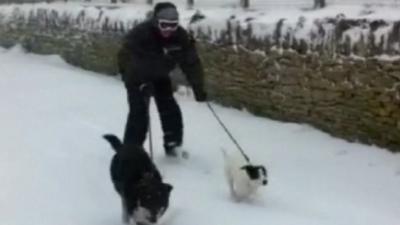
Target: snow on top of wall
262 15
264 21
300 23
388 58
258 4
74 9
254 4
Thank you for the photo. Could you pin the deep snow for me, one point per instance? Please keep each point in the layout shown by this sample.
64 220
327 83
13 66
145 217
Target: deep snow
54 163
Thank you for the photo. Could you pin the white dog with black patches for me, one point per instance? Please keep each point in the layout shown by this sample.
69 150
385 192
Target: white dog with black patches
243 177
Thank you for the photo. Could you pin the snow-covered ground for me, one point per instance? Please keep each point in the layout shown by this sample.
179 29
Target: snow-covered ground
54 163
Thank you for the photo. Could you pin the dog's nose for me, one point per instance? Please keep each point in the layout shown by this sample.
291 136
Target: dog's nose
265 182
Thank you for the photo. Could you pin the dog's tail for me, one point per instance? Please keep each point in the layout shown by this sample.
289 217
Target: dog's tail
114 141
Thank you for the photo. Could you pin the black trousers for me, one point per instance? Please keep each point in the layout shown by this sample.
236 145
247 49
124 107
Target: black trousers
138 117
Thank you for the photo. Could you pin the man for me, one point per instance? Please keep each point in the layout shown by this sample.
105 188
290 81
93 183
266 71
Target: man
150 51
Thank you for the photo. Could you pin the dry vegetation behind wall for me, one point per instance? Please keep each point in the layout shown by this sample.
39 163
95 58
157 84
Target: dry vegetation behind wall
357 100
286 79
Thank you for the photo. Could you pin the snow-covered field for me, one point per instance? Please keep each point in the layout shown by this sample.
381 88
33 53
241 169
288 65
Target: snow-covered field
54 163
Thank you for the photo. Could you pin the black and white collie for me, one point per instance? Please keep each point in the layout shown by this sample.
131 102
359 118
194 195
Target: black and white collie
243 177
145 197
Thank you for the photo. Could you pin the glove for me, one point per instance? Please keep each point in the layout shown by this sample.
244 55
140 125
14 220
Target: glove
200 96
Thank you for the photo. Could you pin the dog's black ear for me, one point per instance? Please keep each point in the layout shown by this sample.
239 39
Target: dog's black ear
245 167
251 171
168 187
114 141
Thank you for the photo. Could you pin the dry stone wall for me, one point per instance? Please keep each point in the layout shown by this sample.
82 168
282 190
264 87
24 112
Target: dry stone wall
356 99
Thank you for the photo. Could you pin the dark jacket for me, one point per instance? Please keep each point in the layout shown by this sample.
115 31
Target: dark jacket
146 56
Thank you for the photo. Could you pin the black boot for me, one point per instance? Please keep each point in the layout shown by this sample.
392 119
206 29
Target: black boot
171 149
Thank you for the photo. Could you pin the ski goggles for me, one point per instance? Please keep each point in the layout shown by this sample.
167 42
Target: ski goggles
170 25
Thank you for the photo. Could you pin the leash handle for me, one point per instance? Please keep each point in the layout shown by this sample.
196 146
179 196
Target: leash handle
227 132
